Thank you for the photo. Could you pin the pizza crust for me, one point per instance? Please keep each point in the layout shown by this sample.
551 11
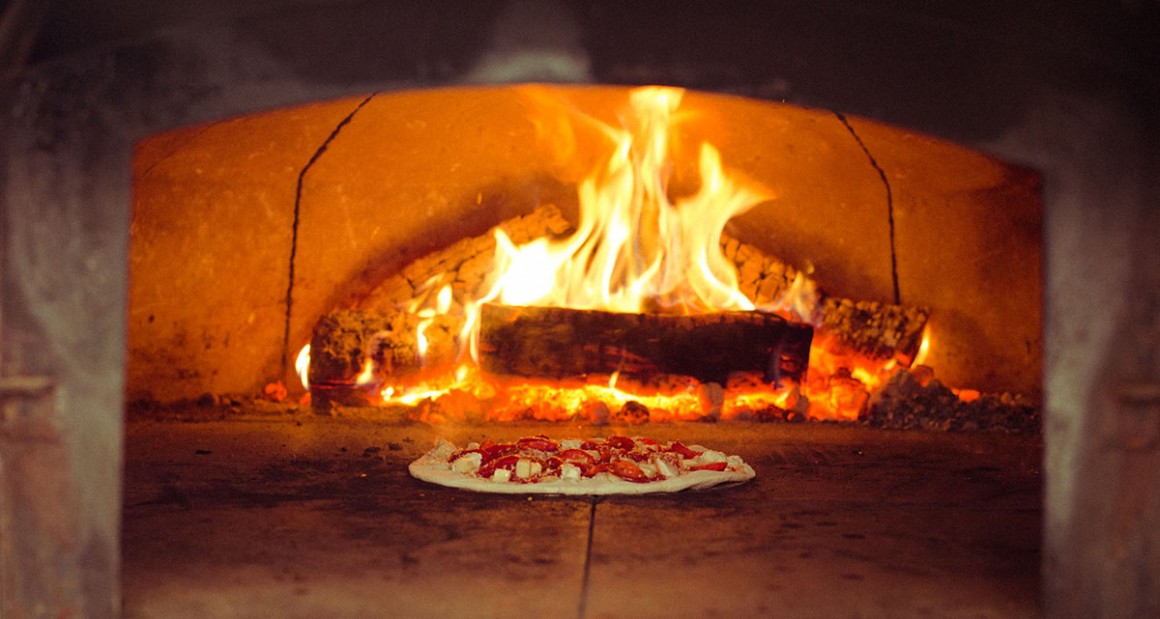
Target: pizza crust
434 468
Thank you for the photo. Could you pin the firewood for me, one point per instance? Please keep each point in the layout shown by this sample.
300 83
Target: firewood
552 342
868 328
762 278
345 340
874 330
465 265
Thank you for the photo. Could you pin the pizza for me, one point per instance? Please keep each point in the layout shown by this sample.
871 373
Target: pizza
598 466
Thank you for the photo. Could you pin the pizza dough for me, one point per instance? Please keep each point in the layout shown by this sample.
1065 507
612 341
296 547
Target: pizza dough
648 467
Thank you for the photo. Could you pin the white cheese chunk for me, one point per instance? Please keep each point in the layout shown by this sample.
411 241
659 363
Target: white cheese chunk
571 443
527 469
665 468
569 471
709 457
501 475
467 463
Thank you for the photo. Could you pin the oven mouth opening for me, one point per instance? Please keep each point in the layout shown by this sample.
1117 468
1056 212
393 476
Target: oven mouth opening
365 220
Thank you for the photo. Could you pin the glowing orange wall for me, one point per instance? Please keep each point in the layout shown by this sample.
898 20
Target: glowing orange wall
410 172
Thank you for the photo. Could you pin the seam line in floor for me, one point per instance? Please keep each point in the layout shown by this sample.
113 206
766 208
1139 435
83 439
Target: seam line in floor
582 609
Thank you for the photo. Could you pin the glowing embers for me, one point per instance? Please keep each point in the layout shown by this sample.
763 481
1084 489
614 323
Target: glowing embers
598 399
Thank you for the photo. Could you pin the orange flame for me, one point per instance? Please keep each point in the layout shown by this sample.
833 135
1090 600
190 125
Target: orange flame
302 366
442 306
923 348
367 375
635 249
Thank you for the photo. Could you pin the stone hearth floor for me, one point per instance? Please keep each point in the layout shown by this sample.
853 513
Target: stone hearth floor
302 516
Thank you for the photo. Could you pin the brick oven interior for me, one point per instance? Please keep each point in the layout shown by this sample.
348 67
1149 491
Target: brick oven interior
163 170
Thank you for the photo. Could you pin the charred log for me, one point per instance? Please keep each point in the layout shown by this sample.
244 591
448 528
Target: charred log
465 265
873 330
345 341
867 328
551 342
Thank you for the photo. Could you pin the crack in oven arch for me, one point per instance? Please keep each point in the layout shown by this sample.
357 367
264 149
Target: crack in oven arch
889 204
294 226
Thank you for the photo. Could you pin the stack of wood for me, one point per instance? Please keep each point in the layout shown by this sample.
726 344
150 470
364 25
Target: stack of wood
559 342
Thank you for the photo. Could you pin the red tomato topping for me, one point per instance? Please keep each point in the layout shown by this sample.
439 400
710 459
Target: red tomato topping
541 443
639 456
577 456
607 454
590 445
595 468
627 469
647 441
505 462
497 450
685 452
712 466
620 442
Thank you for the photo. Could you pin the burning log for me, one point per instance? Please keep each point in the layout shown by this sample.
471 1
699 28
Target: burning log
552 342
878 331
762 278
874 330
465 264
351 349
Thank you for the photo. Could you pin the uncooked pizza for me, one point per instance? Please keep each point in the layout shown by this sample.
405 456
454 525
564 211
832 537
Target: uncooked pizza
613 465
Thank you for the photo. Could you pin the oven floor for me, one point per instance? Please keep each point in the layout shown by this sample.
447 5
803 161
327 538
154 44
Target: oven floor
303 516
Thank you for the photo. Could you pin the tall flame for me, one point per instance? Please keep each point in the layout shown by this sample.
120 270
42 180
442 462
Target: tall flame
636 249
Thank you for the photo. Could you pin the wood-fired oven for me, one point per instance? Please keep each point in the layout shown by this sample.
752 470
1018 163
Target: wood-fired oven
184 203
